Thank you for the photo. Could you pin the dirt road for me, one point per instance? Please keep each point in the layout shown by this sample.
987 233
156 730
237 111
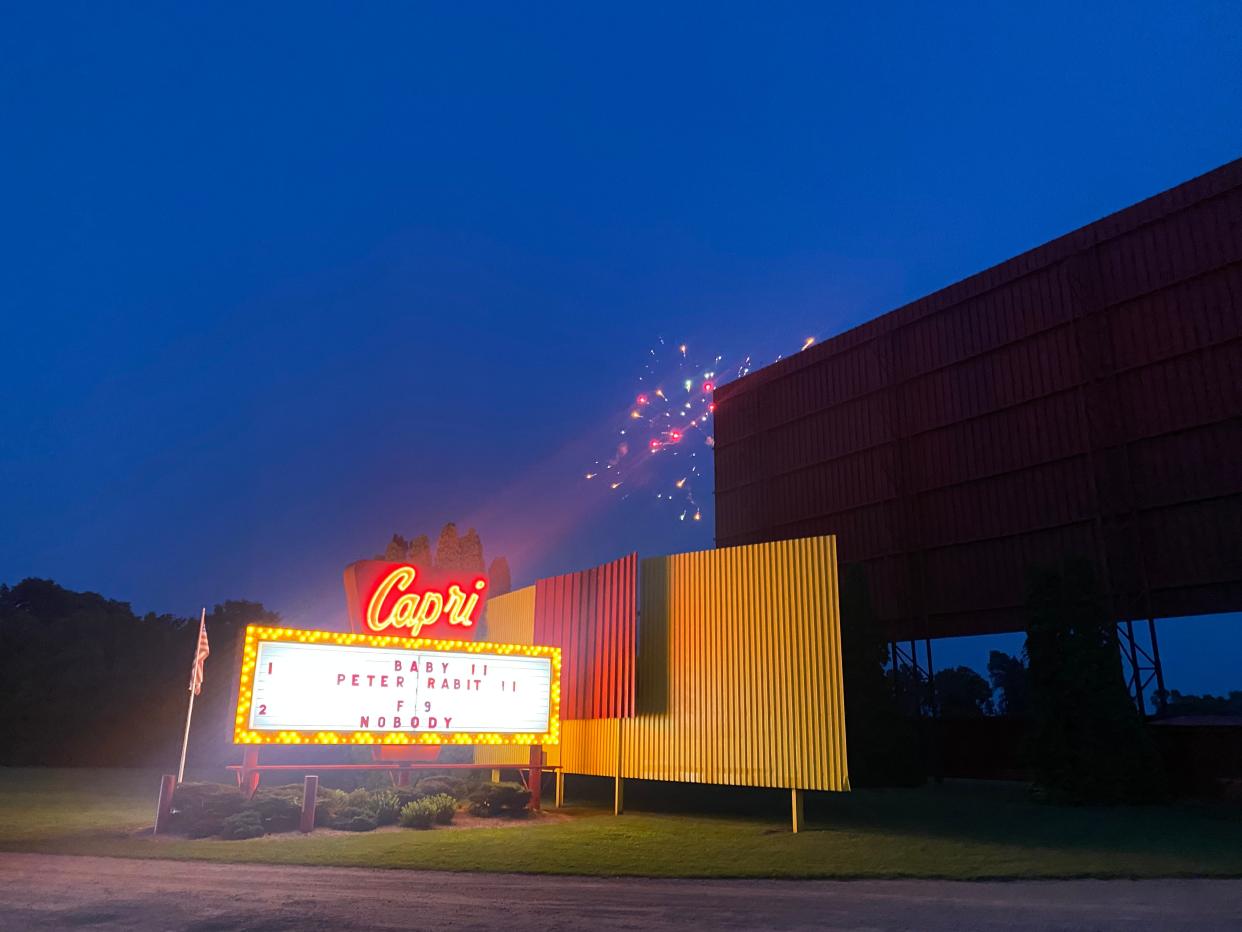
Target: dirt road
48 892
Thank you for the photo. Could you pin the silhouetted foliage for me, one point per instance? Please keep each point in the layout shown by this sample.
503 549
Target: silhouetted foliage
498 579
86 681
962 693
883 745
448 548
420 551
470 553
1011 680
1179 704
1087 743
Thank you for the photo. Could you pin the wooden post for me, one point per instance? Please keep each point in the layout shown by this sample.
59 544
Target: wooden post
560 788
536 775
495 774
618 790
310 791
799 817
163 809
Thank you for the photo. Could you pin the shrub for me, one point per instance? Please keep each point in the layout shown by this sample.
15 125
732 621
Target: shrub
436 785
422 813
200 809
328 803
444 805
495 799
279 809
417 814
245 824
387 807
355 819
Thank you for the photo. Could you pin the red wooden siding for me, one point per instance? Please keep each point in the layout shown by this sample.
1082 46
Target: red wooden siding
1084 397
592 617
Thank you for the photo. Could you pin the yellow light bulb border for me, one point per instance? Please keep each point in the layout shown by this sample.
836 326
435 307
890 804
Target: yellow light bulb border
257 633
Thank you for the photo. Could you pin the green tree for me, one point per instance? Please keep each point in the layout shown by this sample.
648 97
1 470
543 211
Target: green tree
1087 742
498 579
883 745
448 548
1188 704
419 552
88 682
397 551
962 693
470 553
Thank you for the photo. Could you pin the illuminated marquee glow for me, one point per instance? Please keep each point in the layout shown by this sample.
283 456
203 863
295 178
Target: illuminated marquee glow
417 609
403 599
325 687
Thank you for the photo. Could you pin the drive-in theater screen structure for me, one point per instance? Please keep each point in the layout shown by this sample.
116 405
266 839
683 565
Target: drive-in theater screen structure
1082 398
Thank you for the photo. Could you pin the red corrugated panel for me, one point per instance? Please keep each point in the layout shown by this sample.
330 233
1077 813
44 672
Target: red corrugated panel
592 616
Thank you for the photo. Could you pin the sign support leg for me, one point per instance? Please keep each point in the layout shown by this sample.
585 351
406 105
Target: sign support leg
248 776
618 790
560 789
536 775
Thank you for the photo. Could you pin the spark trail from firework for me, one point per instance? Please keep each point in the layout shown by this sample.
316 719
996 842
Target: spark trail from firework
663 442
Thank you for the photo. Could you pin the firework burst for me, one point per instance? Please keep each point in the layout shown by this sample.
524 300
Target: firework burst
663 442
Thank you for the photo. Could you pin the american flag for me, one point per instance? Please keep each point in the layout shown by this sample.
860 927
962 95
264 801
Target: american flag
200 654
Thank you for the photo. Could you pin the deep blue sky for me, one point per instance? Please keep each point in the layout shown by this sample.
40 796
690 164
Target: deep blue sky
280 280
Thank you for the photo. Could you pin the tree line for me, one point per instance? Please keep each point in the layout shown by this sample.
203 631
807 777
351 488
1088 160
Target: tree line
86 681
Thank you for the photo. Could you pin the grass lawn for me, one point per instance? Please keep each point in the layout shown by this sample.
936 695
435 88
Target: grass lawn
959 830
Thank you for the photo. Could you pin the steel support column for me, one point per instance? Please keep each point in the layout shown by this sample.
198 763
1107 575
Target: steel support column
1142 665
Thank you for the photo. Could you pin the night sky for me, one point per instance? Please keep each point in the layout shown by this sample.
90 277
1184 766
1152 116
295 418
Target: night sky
279 281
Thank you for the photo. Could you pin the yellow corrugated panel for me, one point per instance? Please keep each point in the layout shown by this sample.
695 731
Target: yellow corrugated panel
739 673
511 620
511 617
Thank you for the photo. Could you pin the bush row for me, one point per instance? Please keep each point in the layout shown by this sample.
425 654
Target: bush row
202 810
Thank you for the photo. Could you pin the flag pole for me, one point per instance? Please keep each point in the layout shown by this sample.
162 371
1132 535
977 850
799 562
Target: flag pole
185 742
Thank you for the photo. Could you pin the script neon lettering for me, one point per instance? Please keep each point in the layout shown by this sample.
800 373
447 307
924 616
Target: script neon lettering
417 610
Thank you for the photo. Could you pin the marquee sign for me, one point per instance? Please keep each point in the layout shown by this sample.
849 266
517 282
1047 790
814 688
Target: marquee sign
324 687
